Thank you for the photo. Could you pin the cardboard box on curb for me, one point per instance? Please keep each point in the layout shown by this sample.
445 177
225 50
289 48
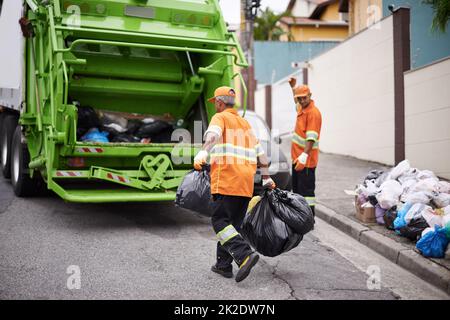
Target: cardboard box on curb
365 213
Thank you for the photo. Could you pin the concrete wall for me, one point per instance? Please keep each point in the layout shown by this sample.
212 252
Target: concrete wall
353 86
427 116
283 106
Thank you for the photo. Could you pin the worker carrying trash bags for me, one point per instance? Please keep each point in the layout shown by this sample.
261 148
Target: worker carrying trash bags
234 150
234 153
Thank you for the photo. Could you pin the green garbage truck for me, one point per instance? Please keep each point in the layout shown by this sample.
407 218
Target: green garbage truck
67 65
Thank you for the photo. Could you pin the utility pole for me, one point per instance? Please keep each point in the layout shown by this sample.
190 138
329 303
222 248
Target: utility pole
249 10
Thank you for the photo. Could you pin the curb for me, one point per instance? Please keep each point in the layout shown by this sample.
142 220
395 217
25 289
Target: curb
404 257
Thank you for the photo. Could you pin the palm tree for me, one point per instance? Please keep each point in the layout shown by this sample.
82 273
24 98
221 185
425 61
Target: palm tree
441 13
266 25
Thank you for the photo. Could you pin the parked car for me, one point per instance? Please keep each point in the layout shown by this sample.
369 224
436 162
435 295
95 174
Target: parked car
279 168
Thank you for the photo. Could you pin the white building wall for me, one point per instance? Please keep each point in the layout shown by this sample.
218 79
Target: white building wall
353 86
427 116
303 8
11 54
284 114
260 101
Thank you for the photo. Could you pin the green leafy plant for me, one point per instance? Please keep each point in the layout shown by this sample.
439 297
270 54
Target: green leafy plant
441 13
267 27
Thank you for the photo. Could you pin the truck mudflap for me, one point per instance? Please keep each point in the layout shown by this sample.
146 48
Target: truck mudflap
155 180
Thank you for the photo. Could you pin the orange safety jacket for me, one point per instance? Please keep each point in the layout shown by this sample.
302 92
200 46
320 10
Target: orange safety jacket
307 128
234 158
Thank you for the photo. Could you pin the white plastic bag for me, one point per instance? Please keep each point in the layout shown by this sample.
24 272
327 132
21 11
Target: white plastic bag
116 127
447 210
424 232
398 170
411 174
389 194
431 218
379 181
107 118
426 174
370 190
418 197
441 200
426 185
367 205
408 185
415 212
445 219
443 186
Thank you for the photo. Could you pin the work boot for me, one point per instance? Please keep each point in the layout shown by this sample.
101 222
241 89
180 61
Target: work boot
224 272
246 266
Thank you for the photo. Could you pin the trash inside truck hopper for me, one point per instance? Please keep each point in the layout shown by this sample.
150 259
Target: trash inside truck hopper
142 58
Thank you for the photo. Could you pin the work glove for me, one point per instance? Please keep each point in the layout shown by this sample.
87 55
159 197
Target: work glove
200 159
268 183
300 162
292 82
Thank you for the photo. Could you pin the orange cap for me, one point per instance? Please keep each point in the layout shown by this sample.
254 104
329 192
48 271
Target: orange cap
223 91
301 91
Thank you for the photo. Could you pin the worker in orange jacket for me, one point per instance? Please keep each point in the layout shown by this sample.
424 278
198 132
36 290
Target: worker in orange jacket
234 155
305 143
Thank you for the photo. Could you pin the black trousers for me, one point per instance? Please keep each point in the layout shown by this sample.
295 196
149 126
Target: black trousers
228 214
304 183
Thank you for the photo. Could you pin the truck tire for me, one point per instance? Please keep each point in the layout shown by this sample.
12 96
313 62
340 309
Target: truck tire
2 116
6 134
23 185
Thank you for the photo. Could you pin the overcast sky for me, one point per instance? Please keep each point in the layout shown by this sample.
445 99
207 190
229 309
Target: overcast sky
231 8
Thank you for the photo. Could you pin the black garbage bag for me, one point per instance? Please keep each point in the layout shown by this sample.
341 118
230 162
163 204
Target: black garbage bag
87 119
152 128
293 209
164 136
389 217
133 126
413 230
125 137
267 227
373 200
373 175
194 192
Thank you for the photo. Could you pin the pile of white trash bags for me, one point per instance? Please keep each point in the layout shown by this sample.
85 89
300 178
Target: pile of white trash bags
414 203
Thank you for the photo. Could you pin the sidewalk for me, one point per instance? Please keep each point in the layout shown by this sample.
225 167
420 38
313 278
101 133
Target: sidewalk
337 173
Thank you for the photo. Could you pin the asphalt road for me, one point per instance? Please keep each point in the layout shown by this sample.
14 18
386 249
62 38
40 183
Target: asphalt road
157 251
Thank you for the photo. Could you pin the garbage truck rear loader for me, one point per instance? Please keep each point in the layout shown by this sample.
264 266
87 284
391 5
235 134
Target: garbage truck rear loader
143 60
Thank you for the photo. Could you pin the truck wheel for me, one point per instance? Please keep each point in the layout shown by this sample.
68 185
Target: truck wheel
23 185
6 134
